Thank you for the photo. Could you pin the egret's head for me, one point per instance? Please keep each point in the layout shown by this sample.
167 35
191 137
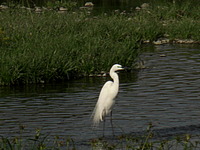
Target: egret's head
116 67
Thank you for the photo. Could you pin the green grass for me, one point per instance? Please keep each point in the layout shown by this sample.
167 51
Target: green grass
46 47
178 20
51 46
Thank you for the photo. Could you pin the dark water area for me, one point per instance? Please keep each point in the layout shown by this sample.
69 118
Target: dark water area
165 93
99 5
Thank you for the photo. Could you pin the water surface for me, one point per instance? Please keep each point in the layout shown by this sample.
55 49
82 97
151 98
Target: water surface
165 93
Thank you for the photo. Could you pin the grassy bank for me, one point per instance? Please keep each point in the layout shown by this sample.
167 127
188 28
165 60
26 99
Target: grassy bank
49 46
178 20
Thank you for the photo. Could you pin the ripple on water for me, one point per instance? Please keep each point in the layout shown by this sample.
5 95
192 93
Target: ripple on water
166 93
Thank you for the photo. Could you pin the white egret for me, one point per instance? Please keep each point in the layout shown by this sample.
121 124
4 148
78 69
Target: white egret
106 98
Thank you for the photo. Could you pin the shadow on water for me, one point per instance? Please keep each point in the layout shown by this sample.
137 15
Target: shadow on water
165 93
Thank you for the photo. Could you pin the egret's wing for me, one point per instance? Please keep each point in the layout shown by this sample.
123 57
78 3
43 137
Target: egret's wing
99 110
105 91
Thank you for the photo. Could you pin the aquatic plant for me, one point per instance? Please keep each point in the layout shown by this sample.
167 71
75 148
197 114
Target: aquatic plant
39 141
49 46
3 38
148 140
176 20
52 46
143 141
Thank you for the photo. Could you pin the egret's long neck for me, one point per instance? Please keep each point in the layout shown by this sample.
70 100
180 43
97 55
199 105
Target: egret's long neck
115 77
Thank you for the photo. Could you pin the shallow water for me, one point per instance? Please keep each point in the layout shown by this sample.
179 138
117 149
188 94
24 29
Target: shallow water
165 93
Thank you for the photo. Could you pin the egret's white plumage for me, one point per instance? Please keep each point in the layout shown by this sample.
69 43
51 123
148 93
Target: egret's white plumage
107 95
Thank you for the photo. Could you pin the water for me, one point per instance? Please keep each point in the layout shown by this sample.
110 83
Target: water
104 4
165 93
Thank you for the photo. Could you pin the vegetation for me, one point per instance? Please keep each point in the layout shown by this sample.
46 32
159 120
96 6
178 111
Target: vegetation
50 46
38 142
147 141
179 20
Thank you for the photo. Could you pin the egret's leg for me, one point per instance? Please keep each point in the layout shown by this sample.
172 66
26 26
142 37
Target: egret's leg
111 123
104 120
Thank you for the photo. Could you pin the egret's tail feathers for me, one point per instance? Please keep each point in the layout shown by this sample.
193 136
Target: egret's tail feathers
97 116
